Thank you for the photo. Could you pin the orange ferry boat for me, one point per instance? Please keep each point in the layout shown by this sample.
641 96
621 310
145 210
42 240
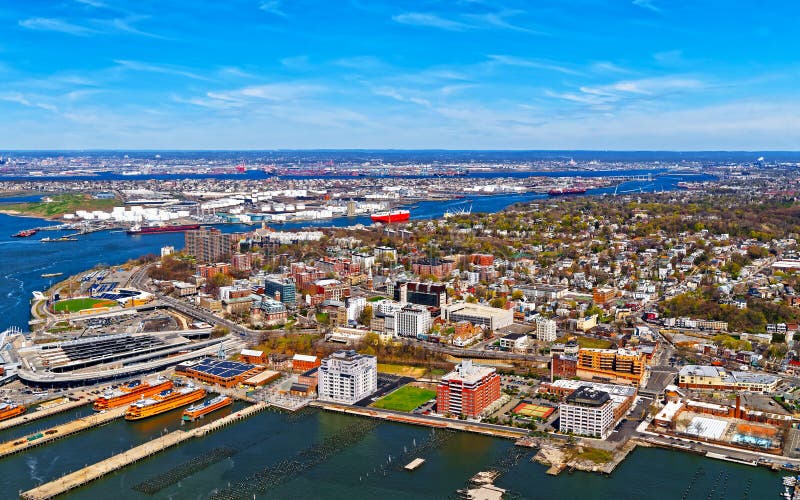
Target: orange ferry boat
8 410
129 393
164 401
194 412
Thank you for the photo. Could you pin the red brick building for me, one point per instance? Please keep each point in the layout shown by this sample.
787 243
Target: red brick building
563 366
207 271
468 390
304 362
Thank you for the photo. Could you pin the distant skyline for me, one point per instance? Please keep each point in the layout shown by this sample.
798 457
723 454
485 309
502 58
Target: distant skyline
461 74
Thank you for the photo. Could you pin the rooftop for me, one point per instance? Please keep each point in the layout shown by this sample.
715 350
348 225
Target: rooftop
588 396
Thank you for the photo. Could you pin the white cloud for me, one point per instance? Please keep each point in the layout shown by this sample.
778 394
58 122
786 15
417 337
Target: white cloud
272 7
430 21
648 5
158 68
530 63
56 25
396 95
19 98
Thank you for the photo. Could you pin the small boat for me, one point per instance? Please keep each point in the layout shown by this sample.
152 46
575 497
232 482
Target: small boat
51 275
58 240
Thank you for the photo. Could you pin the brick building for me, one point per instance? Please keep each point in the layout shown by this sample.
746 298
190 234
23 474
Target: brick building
467 390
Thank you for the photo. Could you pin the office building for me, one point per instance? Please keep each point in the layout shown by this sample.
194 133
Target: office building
281 289
477 314
587 412
546 330
412 321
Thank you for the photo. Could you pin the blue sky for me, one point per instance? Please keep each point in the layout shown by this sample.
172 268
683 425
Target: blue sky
461 74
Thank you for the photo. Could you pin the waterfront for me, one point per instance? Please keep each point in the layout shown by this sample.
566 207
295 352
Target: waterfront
355 471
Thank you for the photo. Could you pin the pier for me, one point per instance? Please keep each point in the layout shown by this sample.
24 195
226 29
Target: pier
60 431
97 470
46 412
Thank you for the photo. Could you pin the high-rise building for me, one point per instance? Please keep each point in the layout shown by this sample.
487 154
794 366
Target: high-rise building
587 412
426 294
467 390
546 330
209 244
282 289
347 377
412 321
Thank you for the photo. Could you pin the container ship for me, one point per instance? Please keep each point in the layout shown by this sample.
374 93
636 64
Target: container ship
566 191
162 229
129 393
25 233
393 216
194 412
8 410
164 401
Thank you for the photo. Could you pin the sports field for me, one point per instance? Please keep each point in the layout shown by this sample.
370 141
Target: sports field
531 410
75 305
405 398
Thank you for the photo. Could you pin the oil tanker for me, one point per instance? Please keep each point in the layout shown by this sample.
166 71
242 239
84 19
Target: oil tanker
129 393
393 216
162 229
194 412
164 401
8 410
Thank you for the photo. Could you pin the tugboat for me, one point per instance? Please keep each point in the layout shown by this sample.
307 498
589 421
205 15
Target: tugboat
25 233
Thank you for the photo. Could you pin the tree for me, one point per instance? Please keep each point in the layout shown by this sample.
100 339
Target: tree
366 315
517 295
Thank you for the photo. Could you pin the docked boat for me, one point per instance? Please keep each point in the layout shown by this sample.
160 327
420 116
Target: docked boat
392 216
137 229
194 412
9 410
25 233
164 401
129 393
566 191
58 240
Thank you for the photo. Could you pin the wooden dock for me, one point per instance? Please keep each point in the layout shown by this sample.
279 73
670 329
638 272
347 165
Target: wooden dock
95 471
59 431
32 416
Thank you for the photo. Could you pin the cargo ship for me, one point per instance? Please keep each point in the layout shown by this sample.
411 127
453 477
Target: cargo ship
164 401
58 240
25 233
129 393
393 216
566 191
194 412
8 410
162 229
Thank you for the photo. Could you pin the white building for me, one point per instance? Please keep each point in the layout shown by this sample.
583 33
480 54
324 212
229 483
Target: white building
412 320
478 315
587 412
355 306
546 330
347 377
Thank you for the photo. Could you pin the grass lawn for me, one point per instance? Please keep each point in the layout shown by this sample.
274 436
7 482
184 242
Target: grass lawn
588 342
322 317
595 455
402 370
61 204
75 305
405 398
376 299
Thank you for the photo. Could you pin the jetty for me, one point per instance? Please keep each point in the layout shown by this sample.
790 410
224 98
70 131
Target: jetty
60 431
97 470
32 416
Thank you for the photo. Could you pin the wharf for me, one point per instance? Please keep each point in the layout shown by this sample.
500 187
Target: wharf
60 431
97 470
32 416
437 422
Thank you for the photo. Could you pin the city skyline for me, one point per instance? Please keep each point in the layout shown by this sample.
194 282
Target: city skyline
627 75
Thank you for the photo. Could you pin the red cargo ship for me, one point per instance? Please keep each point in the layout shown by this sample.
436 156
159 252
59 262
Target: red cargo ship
25 233
566 191
393 216
162 229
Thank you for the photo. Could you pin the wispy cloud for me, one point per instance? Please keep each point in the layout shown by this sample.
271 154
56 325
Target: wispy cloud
500 20
648 5
97 4
397 96
272 7
159 68
603 97
246 96
19 98
430 21
532 63
56 25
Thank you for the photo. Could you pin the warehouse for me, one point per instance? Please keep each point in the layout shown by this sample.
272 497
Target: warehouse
218 372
